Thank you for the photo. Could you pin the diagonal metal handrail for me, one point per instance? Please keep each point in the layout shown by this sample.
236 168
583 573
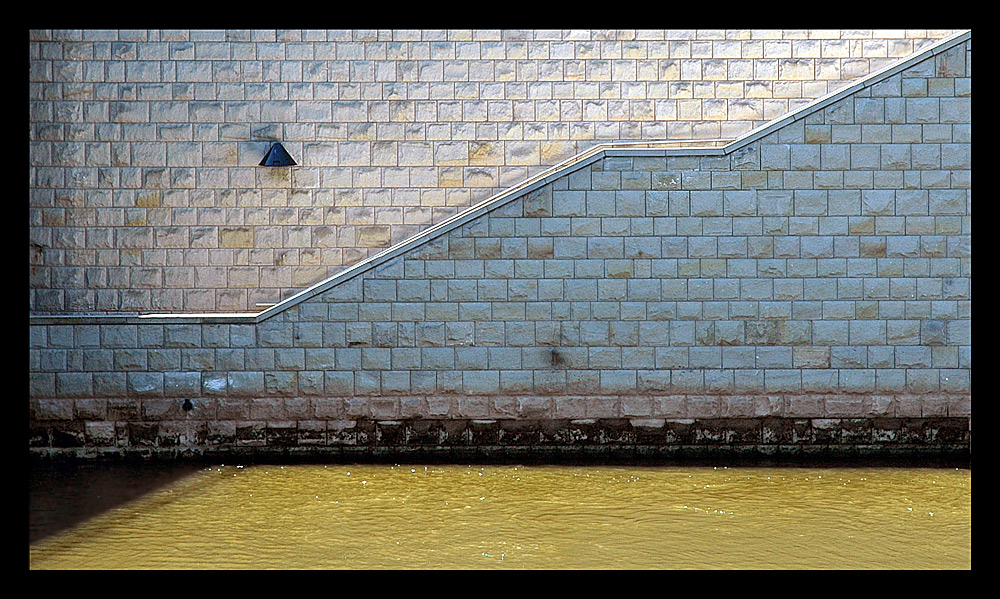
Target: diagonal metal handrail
536 181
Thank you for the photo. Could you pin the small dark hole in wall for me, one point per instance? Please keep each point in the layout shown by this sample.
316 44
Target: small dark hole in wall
187 405
557 358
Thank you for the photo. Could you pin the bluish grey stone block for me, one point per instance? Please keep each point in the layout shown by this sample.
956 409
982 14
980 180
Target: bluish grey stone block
181 383
705 357
311 312
376 358
84 336
820 380
756 289
848 357
867 332
955 381
170 359
253 359
394 382
367 382
682 333
243 335
481 382
289 358
438 358
687 381
719 381
857 380
748 380
504 358
638 357
403 358
149 335
119 336
347 311
605 357
903 332
132 359
182 335
652 381
38 336
959 332
913 357
890 380
52 360
308 334
830 332
778 380
471 358
881 357
773 357
74 384
61 336
348 358
618 381
372 312
143 384
41 384
923 380
338 384
274 333
110 384
245 383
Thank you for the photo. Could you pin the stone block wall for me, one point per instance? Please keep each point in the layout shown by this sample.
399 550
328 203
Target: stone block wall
145 193
814 283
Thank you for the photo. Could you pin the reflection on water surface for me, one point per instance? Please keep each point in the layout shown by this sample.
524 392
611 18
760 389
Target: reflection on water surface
521 517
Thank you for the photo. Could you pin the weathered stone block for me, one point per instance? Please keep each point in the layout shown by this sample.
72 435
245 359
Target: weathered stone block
236 237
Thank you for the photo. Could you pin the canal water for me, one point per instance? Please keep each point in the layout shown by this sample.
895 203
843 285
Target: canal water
437 516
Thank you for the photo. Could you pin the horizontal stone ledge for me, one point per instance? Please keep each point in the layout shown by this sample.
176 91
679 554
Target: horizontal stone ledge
762 433
956 455
487 407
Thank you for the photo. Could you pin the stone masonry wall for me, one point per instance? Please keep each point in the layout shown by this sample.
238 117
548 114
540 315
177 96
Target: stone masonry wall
144 190
819 276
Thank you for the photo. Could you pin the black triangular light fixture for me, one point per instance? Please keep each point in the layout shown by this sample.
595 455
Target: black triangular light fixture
277 156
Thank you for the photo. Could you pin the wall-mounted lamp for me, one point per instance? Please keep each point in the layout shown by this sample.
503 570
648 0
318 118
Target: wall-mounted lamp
277 156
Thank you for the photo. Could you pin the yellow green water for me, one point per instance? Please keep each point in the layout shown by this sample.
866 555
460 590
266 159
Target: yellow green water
531 517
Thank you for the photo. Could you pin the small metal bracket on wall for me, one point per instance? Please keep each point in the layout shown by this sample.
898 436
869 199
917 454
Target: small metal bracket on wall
277 156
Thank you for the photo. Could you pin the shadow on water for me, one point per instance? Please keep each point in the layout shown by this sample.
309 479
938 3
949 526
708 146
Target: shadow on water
64 494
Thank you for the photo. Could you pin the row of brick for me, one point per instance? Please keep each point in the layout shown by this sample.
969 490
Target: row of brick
339 413
293 35
340 384
454 349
